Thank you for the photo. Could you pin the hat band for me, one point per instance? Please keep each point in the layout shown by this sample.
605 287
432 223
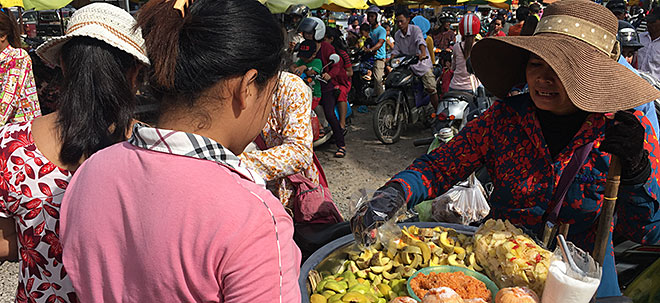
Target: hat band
112 30
580 29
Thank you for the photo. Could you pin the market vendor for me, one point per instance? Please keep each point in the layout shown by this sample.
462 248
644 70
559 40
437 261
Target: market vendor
526 142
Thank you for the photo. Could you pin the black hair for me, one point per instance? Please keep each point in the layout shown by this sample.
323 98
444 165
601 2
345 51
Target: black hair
9 27
96 101
216 40
386 24
534 8
365 27
404 12
529 26
337 39
522 13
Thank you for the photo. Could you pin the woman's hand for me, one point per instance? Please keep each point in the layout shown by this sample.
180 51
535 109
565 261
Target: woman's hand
384 205
326 77
625 139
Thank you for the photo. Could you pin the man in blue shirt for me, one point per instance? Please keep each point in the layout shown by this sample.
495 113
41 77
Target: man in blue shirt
378 36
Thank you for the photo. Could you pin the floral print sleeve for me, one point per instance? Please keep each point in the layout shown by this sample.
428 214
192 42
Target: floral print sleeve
637 211
288 136
18 99
31 192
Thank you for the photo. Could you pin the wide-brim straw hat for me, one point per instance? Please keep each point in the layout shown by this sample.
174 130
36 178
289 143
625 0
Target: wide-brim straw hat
101 21
577 38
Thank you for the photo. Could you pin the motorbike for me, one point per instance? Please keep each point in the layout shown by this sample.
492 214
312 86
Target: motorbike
403 102
457 108
362 91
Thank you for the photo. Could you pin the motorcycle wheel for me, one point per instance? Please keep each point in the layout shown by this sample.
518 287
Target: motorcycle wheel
387 130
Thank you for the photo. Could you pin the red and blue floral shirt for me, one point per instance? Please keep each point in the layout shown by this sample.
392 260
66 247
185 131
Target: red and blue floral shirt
507 140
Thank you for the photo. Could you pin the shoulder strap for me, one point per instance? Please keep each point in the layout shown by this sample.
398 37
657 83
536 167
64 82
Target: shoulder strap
259 141
567 176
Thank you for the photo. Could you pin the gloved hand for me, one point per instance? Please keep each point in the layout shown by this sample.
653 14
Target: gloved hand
625 139
384 205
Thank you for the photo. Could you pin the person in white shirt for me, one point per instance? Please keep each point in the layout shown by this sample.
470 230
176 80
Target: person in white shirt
649 55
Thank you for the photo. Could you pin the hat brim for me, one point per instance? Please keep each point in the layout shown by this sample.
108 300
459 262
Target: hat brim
593 81
50 50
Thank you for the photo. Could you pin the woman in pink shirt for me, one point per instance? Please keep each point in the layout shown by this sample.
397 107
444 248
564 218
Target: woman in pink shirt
172 215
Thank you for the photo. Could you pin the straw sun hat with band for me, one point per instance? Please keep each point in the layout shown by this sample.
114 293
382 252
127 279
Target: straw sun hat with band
101 21
577 38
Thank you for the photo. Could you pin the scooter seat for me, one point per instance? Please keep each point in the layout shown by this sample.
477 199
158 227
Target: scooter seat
458 95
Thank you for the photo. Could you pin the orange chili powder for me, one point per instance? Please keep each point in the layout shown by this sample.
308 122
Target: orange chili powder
465 286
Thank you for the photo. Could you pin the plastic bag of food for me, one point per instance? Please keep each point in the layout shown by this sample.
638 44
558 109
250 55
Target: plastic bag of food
464 203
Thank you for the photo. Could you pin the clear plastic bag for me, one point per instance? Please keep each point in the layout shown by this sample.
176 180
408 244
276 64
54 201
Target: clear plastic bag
380 222
464 203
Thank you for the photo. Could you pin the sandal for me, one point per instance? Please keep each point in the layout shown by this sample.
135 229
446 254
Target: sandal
341 152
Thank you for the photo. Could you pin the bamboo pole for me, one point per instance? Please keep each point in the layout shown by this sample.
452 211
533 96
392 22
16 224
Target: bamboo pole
607 210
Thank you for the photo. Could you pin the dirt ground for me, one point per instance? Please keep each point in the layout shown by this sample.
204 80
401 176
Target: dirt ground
368 164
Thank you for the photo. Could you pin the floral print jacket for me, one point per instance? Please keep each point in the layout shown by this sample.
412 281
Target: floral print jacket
288 136
18 99
507 140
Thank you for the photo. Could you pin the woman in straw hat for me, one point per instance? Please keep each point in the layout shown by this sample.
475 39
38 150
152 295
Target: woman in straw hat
101 56
527 142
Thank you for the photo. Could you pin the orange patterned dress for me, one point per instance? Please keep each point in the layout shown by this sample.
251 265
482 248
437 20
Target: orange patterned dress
288 136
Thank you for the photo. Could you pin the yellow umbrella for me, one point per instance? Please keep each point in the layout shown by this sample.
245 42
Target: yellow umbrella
11 3
35 4
357 4
382 2
45 4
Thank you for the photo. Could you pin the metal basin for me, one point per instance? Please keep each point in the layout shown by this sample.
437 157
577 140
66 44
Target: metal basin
328 257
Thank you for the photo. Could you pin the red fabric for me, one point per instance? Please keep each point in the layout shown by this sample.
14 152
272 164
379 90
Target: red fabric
499 34
315 102
343 92
446 76
514 30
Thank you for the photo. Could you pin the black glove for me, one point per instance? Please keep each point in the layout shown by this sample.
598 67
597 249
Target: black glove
384 205
625 139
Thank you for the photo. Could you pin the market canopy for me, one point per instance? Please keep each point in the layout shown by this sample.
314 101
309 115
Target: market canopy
36 4
280 6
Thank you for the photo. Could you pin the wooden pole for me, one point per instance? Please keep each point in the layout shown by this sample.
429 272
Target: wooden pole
607 211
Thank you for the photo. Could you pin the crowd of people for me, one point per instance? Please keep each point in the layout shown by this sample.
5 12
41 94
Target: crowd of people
200 205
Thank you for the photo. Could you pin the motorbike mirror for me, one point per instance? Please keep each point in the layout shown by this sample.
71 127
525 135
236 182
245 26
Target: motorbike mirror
335 58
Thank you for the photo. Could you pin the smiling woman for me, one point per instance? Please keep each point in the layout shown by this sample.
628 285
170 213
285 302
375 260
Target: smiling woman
532 139
545 88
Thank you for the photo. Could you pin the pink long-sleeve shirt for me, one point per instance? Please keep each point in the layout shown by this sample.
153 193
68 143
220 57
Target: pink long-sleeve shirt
145 226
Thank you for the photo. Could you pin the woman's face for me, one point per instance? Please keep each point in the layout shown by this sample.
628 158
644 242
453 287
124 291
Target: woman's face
498 25
547 92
